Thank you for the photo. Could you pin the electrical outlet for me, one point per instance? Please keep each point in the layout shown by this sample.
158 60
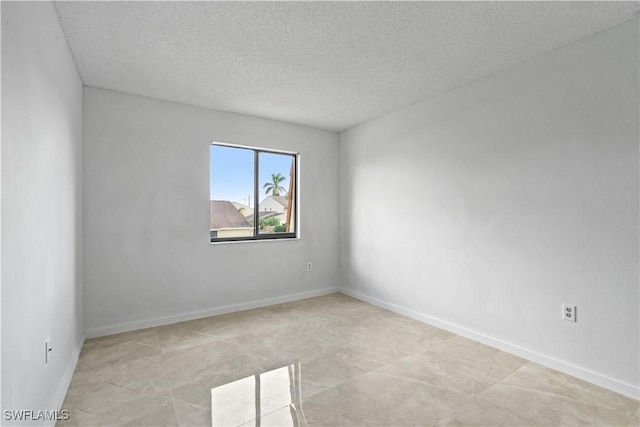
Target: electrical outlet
309 266
569 312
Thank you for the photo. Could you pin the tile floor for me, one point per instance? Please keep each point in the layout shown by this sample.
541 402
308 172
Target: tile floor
355 364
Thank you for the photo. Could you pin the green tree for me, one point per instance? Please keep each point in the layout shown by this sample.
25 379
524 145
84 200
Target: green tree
269 222
274 186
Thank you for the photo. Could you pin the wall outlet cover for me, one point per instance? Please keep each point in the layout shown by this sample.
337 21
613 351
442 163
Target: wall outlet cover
569 312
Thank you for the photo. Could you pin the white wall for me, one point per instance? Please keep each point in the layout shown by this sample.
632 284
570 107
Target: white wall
41 208
147 254
486 208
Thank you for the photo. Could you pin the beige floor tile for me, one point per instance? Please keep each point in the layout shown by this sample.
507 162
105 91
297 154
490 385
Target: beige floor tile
89 395
182 335
635 420
457 364
287 343
218 361
358 364
378 399
336 312
192 403
143 336
214 363
329 370
77 417
388 337
548 397
479 413
103 352
287 416
156 410
232 325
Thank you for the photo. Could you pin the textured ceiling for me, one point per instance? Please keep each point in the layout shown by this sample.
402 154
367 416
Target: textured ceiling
330 65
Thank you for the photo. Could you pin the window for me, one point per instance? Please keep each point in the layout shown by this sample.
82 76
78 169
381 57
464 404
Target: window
252 193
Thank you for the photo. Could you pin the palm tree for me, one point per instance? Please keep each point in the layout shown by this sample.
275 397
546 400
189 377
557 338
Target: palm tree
274 187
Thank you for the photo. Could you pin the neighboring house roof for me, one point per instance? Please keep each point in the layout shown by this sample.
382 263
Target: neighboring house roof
247 210
282 200
225 215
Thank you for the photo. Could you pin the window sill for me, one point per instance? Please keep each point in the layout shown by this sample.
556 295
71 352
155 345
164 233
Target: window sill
235 242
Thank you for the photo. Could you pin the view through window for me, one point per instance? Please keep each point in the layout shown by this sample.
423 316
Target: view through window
241 176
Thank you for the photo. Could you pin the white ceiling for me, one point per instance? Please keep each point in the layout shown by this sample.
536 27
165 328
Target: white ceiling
330 65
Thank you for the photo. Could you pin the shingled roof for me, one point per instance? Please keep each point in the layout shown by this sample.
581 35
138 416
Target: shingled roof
284 201
225 215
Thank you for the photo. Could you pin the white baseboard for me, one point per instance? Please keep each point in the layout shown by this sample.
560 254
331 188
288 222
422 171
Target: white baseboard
63 387
568 368
159 321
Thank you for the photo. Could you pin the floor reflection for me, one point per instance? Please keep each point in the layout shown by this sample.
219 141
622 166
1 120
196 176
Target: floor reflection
270 398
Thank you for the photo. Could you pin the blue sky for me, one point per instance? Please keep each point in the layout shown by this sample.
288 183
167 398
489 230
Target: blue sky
231 176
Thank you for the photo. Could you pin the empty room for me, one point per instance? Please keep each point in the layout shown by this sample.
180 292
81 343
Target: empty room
320 213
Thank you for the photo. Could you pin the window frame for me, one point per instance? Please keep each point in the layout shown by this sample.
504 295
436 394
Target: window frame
256 194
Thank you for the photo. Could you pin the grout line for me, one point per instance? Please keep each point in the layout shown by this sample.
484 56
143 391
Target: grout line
173 405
